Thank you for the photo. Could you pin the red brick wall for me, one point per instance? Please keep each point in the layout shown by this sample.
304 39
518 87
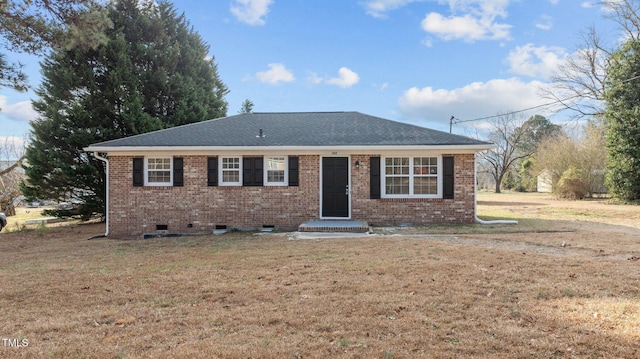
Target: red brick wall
137 210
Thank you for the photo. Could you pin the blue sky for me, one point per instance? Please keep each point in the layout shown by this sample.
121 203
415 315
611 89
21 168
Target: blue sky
415 61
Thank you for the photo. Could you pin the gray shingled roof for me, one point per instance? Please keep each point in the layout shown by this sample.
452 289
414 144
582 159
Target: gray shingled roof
293 129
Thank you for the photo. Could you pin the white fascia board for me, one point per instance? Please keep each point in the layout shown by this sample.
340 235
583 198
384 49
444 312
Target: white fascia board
126 151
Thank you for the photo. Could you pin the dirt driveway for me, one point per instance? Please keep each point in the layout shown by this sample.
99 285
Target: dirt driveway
593 227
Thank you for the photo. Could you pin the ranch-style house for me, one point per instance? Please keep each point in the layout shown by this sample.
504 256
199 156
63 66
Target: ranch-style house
279 170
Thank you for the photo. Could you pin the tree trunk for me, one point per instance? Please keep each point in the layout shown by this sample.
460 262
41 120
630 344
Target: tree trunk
499 183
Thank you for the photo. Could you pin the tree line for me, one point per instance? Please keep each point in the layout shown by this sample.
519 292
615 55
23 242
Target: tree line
573 163
599 82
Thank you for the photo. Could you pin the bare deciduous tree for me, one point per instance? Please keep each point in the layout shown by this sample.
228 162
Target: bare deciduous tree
11 158
579 83
506 135
626 13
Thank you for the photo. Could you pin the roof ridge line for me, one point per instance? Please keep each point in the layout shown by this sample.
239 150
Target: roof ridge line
297 112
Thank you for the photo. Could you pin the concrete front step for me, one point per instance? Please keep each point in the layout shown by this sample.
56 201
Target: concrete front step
334 226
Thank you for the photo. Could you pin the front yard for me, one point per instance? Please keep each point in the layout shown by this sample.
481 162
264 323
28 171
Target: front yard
565 282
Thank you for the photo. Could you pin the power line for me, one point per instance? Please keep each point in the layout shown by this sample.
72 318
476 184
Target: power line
455 120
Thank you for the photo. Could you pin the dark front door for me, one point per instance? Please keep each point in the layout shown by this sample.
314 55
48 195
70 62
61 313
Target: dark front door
335 187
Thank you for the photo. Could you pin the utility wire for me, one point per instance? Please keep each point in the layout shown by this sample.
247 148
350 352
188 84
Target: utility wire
457 120
454 120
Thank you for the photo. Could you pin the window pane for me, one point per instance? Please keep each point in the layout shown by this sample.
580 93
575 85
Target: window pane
158 170
397 166
275 176
408 176
159 176
230 163
230 169
159 163
425 185
388 166
275 163
275 169
425 166
397 185
231 176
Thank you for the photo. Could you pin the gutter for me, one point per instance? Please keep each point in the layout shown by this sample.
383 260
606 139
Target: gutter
450 148
475 199
103 159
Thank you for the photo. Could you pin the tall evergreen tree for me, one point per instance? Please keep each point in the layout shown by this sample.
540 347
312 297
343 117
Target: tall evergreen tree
536 130
153 72
33 26
622 91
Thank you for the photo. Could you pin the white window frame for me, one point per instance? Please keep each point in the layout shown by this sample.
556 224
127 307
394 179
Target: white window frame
221 170
412 175
285 181
147 171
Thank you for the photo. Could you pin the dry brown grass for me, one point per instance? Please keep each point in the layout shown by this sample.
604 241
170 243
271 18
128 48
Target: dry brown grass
442 292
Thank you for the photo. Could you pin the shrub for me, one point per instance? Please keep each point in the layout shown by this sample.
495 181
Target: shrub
573 184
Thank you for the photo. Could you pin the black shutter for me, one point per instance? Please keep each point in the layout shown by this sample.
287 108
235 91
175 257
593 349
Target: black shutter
374 178
138 172
293 171
258 171
252 174
212 171
447 177
178 172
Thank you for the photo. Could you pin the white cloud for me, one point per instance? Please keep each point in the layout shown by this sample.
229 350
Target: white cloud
470 20
465 28
19 111
276 73
346 78
251 12
544 23
475 100
554 2
314 78
534 61
379 8
587 4
428 42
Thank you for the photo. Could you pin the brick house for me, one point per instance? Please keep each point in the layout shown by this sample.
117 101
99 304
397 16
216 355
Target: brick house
281 169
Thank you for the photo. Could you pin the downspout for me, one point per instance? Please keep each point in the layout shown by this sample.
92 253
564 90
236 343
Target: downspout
475 198
103 159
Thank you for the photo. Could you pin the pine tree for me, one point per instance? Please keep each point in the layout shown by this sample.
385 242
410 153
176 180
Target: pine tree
246 107
35 26
623 122
153 72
